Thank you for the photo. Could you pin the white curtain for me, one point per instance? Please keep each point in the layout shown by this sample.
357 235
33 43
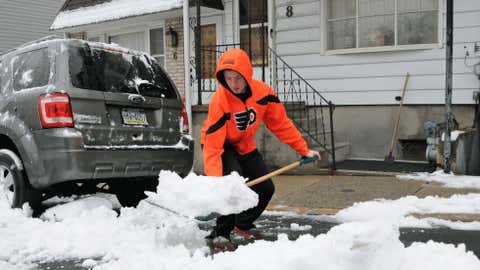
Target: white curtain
417 23
135 41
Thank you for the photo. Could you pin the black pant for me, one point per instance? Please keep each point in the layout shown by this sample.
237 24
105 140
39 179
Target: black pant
250 166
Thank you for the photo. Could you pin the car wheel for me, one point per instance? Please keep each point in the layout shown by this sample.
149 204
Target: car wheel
14 185
130 193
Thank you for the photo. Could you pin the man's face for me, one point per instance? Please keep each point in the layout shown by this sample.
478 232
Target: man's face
235 81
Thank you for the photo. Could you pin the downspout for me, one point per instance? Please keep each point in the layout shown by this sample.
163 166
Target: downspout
186 63
272 45
263 38
198 52
448 86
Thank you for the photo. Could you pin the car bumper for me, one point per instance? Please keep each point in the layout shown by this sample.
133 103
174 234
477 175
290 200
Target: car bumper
68 159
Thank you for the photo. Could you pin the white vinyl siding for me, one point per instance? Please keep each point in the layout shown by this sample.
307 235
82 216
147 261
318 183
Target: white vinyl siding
25 20
376 78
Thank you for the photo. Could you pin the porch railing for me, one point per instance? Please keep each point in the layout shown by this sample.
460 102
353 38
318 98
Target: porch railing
311 112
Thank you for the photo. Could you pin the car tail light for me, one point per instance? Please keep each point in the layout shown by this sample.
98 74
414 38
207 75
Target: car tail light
184 121
55 110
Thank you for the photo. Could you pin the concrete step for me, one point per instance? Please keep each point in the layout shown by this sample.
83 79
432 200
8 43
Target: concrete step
294 106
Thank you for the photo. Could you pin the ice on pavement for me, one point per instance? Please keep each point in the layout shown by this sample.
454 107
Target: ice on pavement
147 237
202 195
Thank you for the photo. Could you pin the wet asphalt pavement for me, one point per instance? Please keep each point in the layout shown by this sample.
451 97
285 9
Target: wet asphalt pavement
294 226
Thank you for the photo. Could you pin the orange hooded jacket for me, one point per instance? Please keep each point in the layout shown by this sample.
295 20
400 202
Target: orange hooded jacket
234 121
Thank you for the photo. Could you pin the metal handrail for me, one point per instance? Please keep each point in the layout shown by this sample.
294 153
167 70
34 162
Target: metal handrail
305 105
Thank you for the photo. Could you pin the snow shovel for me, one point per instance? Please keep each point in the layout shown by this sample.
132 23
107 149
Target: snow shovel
302 161
390 158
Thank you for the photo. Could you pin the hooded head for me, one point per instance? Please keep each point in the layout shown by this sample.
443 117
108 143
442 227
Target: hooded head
236 60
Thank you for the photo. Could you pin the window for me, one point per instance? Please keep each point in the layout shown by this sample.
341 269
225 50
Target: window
209 50
134 41
112 71
377 23
157 49
31 69
94 39
256 12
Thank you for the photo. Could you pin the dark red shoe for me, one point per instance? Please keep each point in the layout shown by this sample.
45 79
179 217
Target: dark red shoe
253 233
243 233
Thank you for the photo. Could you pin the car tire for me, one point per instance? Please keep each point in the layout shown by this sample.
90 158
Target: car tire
14 185
130 193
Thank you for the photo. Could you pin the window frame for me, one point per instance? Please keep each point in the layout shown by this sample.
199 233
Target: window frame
164 65
438 44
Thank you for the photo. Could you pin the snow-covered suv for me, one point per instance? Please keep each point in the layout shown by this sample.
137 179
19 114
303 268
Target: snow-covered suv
75 114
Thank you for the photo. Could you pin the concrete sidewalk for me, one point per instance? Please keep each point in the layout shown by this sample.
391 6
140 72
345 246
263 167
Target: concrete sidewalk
326 194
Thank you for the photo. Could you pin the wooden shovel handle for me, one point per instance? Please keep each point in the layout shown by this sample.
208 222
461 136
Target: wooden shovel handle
281 170
395 129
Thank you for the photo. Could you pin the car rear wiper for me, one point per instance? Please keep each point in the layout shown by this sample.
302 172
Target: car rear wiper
150 89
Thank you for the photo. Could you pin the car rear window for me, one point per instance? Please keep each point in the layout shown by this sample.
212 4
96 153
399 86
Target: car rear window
115 71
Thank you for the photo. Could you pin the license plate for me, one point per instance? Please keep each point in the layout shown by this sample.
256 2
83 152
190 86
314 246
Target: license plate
134 117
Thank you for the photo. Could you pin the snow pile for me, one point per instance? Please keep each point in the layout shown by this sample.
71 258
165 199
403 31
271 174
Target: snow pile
297 227
147 237
202 195
397 211
93 231
352 246
449 180
111 10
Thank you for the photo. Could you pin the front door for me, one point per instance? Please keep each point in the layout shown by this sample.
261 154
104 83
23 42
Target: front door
253 25
209 55
211 36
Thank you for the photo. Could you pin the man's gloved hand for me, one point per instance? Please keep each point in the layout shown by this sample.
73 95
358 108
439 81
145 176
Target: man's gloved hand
314 153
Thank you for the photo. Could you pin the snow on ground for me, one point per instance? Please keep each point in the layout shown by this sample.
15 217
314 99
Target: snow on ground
449 180
148 237
397 211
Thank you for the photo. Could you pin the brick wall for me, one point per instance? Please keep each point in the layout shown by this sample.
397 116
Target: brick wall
174 55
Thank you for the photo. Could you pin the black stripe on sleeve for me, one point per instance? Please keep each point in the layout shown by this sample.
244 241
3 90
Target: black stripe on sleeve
269 98
220 123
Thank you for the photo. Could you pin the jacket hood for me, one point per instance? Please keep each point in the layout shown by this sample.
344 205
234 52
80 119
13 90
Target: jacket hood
234 59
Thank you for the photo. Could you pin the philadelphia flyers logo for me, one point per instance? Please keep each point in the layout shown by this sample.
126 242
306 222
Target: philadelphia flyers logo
245 119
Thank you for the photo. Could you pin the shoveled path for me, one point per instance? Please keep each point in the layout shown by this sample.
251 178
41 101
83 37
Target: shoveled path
326 194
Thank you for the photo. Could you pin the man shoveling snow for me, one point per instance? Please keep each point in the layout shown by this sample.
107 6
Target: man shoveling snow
235 112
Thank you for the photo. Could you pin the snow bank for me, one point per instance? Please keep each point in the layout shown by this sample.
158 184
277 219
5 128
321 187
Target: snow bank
148 237
449 180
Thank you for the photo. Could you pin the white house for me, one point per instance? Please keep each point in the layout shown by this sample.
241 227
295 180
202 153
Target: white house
356 53
24 20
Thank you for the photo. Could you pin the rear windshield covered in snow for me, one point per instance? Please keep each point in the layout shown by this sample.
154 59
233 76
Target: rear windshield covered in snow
116 71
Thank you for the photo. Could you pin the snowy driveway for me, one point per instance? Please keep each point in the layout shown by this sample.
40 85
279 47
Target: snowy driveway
90 233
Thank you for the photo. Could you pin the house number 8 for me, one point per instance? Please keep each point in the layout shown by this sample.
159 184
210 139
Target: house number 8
289 11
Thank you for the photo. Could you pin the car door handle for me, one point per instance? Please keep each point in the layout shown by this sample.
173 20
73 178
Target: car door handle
135 98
